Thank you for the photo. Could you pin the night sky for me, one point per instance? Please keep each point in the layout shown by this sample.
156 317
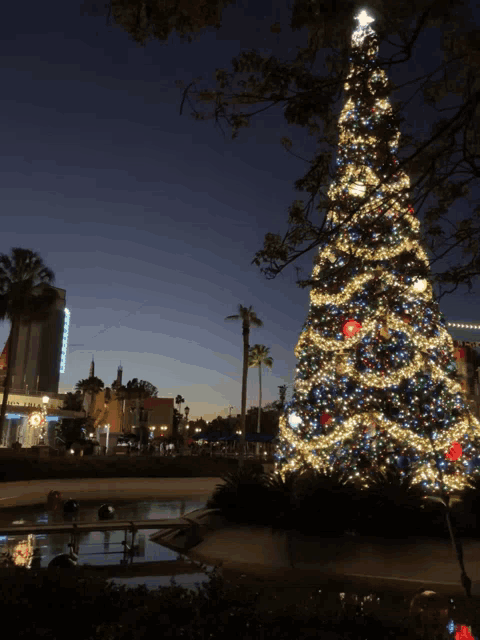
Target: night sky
149 219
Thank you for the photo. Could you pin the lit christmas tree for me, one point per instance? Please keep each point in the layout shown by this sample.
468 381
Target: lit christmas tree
376 381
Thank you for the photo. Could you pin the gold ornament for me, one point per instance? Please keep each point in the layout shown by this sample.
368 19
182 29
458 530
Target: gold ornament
385 331
420 285
357 189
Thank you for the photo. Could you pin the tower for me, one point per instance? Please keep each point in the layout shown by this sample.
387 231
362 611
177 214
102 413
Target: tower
118 382
92 369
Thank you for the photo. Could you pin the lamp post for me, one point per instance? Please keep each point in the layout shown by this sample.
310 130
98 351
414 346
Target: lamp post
185 425
107 427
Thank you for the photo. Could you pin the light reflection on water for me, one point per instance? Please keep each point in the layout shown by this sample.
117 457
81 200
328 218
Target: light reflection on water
102 548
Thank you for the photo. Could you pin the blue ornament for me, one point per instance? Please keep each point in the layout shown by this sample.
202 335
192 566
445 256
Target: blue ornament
403 462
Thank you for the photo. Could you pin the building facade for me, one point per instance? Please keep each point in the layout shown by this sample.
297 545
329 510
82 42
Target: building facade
468 367
38 352
114 416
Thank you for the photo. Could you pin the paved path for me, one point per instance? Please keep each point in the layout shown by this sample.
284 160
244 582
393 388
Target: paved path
430 563
36 491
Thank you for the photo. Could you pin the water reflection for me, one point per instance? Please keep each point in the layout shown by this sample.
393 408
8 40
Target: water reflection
106 541
95 548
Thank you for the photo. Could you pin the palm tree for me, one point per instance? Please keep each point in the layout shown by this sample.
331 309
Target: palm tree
282 396
26 295
92 386
179 401
73 401
249 318
257 357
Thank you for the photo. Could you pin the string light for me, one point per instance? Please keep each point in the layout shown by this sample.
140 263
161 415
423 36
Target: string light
457 325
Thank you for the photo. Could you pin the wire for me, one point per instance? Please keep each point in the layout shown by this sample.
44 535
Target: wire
113 325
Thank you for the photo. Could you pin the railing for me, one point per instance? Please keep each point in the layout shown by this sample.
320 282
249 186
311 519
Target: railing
74 529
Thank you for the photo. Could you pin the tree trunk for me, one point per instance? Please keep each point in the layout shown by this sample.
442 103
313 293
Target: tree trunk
457 547
456 544
259 405
246 347
289 536
8 382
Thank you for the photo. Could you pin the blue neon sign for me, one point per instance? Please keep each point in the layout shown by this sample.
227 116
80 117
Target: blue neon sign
65 341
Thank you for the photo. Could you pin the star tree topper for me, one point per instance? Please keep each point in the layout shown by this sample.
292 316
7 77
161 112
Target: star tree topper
364 19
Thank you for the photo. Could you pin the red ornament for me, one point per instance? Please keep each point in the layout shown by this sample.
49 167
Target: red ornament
325 418
351 327
463 633
459 354
455 452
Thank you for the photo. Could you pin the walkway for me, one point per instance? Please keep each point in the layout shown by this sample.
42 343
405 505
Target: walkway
429 563
35 491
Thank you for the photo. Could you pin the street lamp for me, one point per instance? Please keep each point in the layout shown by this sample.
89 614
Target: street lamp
107 427
187 411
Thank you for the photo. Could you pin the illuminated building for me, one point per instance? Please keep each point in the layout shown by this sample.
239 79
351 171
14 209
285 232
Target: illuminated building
113 416
39 352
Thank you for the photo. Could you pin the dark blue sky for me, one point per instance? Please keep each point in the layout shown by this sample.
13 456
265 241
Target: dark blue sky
149 219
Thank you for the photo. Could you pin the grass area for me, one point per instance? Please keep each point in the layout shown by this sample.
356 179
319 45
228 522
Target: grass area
16 468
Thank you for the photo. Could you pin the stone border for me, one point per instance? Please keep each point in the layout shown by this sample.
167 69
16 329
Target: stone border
33 492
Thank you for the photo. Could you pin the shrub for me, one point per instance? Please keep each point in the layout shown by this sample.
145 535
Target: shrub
324 503
243 497
17 468
319 504
61 606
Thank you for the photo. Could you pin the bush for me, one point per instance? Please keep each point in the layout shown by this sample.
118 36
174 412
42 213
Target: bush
243 497
326 505
15 468
62 606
